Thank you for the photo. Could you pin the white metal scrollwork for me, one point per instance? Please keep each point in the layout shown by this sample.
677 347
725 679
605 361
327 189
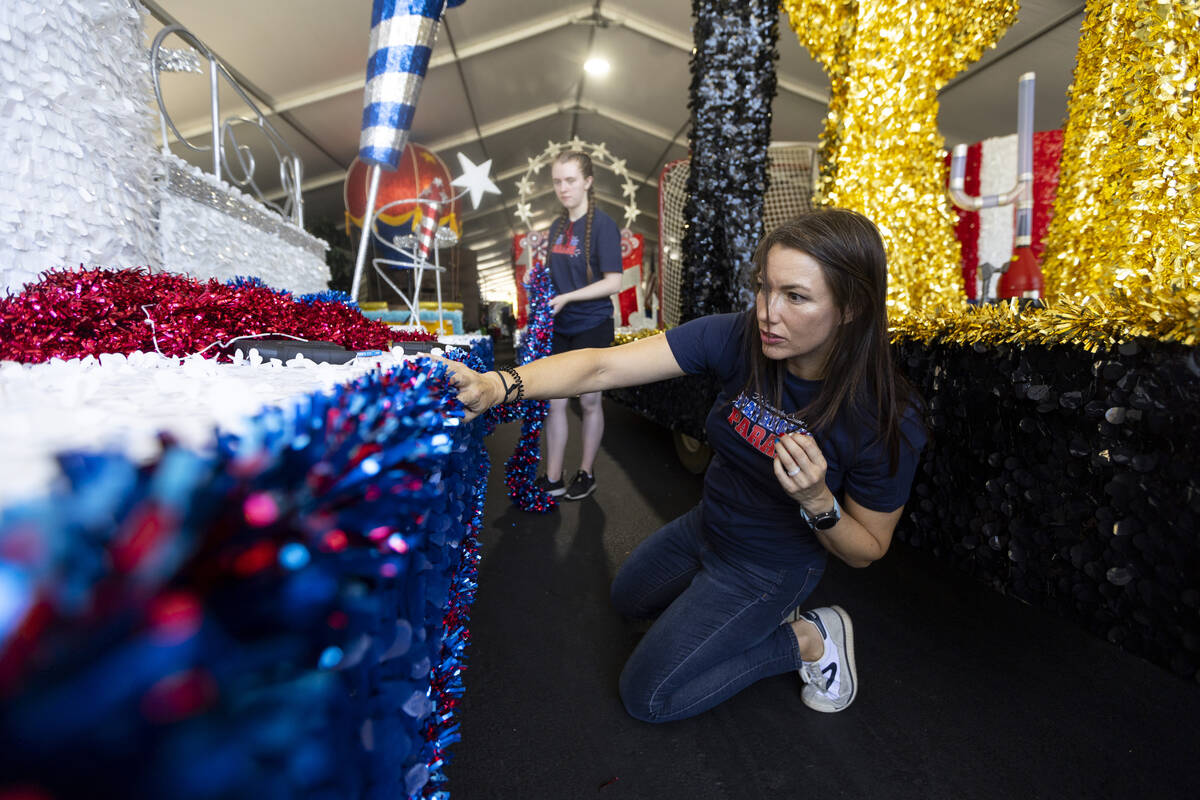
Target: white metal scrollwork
232 161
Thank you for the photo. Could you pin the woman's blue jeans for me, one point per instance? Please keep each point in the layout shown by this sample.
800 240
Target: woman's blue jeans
719 625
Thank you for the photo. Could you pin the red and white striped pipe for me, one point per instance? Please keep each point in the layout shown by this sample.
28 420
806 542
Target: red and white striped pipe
427 229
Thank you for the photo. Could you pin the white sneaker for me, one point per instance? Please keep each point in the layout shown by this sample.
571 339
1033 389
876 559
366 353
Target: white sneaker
832 681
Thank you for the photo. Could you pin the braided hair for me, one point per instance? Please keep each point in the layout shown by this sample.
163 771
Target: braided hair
584 162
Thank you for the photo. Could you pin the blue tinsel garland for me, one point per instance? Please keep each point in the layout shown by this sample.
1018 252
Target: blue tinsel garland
326 296
446 680
283 618
521 468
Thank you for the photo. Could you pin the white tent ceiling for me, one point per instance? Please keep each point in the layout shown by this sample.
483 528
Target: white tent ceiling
506 78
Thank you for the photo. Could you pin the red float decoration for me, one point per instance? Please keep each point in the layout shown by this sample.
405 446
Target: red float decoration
1024 275
418 170
1023 278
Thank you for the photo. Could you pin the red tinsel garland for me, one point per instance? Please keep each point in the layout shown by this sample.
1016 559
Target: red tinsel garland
1047 152
75 313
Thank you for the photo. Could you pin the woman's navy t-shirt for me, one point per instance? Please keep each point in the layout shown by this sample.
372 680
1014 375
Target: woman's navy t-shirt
745 510
569 273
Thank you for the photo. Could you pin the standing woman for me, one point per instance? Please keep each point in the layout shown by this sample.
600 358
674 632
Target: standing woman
585 266
815 440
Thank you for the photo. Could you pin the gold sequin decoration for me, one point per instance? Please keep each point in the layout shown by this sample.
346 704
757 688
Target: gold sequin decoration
1094 323
1098 322
624 337
882 152
1127 214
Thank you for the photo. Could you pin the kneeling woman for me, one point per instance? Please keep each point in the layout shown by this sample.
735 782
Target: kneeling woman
815 440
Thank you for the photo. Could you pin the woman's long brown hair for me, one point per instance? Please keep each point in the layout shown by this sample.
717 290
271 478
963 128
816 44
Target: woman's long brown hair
860 379
584 161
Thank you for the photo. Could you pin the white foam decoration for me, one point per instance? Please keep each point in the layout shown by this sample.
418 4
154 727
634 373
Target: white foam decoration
78 163
241 237
997 226
120 404
466 340
269 218
205 243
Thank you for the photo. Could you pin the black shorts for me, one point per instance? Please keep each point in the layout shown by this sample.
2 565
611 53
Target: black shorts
600 336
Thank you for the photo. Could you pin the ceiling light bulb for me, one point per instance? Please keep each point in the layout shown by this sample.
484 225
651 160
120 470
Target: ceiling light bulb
596 66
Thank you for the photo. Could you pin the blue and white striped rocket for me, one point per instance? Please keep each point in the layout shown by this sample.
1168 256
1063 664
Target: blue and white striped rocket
402 38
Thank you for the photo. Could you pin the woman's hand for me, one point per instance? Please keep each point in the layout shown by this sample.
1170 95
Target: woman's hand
477 391
862 535
800 467
557 302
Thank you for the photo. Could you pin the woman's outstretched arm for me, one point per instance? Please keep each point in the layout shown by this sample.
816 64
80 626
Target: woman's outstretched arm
567 374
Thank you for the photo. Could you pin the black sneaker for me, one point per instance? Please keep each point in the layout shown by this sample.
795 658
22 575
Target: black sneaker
552 488
581 486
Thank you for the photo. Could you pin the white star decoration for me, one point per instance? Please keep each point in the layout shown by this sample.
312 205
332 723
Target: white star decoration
524 211
631 214
475 179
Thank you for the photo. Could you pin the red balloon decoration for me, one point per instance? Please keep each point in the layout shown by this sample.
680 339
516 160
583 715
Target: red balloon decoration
419 167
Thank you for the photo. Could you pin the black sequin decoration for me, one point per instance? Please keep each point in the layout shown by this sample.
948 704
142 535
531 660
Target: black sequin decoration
1069 480
733 84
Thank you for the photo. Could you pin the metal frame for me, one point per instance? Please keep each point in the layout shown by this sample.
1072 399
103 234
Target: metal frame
407 245
1021 194
227 156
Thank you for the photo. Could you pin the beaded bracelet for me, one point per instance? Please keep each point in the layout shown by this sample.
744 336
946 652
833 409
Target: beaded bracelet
517 384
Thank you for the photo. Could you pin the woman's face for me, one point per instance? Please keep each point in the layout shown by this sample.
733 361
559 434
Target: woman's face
569 184
797 315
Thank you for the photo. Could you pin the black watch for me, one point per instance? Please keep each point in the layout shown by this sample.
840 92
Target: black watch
826 519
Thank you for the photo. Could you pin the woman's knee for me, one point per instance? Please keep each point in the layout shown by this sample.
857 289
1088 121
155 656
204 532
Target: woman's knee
636 698
591 401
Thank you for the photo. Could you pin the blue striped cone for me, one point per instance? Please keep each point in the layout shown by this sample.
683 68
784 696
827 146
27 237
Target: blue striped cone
402 38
